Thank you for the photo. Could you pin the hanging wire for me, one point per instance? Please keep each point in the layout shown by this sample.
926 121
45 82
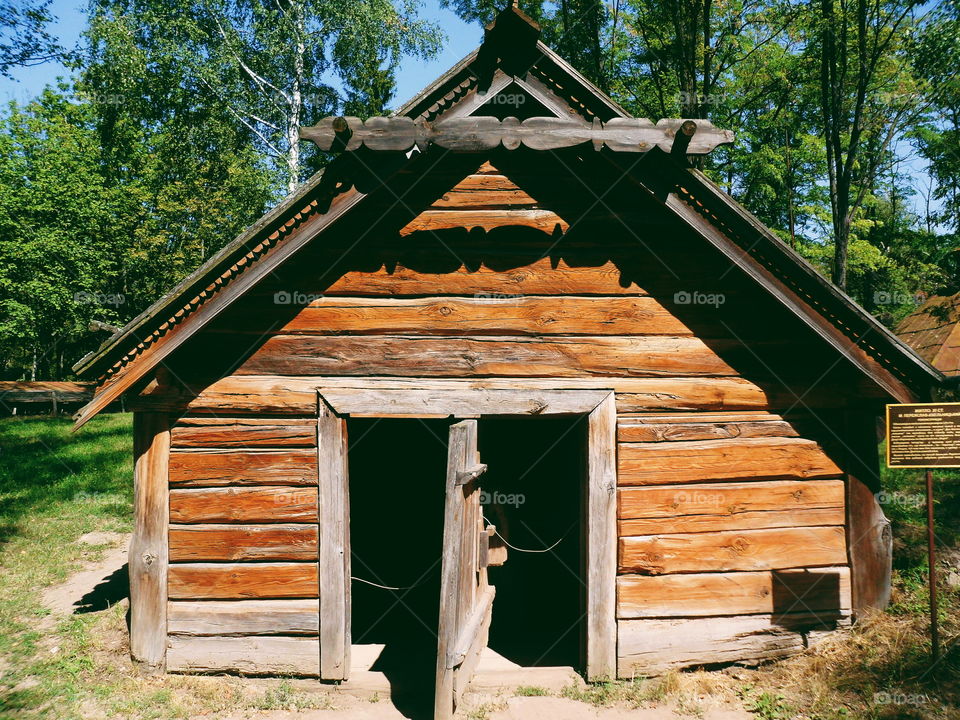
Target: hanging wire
385 587
525 550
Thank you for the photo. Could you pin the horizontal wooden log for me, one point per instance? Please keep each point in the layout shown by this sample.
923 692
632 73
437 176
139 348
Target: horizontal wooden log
493 315
823 591
298 395
203 543
673 428
208 469
485 190
537 278
243 617
243 433
654 647
234 581
741 458
484 356
477 133
663 509
771 549
433 220
244 655
464 402
243 504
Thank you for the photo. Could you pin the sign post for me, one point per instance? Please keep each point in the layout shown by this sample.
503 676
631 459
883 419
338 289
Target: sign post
925 435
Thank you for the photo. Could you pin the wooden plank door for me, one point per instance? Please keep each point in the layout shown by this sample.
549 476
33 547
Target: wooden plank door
466 598
333 506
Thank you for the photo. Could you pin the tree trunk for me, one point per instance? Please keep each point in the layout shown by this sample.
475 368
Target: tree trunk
296 99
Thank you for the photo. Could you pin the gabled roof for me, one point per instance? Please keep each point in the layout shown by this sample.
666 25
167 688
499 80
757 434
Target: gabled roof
510 55
933 331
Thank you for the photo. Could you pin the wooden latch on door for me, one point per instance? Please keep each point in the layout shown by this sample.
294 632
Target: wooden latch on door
493 552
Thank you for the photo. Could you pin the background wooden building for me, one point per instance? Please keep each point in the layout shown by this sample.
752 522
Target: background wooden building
565 278
933 331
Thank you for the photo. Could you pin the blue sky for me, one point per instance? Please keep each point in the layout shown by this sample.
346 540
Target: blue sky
414 74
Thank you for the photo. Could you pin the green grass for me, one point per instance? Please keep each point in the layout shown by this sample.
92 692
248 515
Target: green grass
54 487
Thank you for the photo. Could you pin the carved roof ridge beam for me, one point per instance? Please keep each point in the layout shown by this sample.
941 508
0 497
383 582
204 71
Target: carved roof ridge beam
480 133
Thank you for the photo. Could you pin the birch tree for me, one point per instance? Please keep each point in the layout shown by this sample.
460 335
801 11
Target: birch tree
277 65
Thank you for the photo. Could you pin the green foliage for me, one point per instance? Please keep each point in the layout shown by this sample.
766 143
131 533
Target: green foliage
256 71
770 706
56 250
24 39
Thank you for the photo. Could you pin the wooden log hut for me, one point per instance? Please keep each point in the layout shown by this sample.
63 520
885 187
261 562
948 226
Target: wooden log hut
509 245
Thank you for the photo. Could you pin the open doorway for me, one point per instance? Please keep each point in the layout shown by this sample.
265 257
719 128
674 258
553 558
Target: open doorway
533 494
396 470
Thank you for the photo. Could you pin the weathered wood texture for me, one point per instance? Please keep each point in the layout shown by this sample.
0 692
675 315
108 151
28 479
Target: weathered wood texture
653 647
485 190
244 655
551 356
243 505
824 591
205 543
297 395
538 277
433 220
770 549
243 617
244 433
334 560
476 133
210 469
148 546
693 461
680 428
601 558
383 398
229 581
662 509
871 548
492 315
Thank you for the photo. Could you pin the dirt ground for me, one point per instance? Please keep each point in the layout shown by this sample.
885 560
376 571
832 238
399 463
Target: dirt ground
502 708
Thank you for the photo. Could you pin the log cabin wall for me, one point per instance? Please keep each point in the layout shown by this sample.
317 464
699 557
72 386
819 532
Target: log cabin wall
243 579
731 499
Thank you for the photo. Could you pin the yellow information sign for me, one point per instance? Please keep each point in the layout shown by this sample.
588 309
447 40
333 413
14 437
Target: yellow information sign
923 435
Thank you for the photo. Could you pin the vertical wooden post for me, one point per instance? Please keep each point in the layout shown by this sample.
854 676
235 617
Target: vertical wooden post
333 497
869 536
601 550
932 570
148 547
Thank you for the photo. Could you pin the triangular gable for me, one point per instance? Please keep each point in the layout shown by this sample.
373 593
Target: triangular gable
689 198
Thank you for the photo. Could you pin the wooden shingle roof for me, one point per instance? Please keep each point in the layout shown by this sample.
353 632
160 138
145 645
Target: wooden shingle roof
933 331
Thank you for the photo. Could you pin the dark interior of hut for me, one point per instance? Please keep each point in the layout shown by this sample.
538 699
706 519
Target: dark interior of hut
531 493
